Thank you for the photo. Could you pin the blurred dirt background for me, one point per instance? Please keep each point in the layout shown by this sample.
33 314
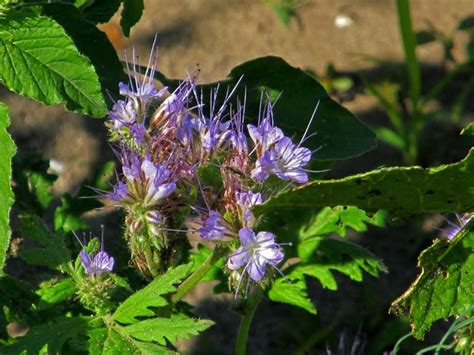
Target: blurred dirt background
218 35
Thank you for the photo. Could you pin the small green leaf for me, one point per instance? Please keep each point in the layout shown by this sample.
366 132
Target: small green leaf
131 13
424 37
161 330
52 250
390 137
51 294
101 11
33 51
468 130
51 335
338 219
293 292
466 24
445 286
150 296
320 257
7 151
447 188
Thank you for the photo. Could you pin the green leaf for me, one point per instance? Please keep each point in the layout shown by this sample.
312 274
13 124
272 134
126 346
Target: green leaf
293 292
390 137
320 257
52 334
150 296
92 43
33 183
466 24
7 151
101 11
52 250
468 130
447 188
104 341
53 293
161 330
340 135
33 53
338 219
424 37
444 287
131 13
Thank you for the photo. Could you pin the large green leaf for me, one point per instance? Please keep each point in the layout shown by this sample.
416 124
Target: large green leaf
104 341
131 13
445 286
468 130
162 330
101 11
49 337
150 296
92 43
340 134
7 151
447 188
39 60
51 250
320 257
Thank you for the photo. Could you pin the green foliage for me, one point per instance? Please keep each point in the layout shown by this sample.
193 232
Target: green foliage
338 219
67 216
7 151
320 257
101 11
444 287
340 135
33 50
137 305
52 250
92 43
200 256
131 13
162 330
52 293
48 337
398 190
468 130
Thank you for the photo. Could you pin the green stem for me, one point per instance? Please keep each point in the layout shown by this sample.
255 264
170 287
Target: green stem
249 311
152 267
317 336
192 280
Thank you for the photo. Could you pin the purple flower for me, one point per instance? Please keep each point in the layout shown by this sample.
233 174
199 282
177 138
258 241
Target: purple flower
265 134
157 182
212 227
288 160
454 229
120 192
123 114
97 264
213 134
255 253
246 201
263 167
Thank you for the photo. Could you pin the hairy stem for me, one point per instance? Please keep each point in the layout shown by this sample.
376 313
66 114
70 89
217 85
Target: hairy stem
152 267
192 280
249 311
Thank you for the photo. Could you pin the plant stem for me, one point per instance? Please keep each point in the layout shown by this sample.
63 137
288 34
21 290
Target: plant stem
249 311
192 280
152 267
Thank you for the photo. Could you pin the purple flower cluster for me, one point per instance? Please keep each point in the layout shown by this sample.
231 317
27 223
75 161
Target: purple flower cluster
163 147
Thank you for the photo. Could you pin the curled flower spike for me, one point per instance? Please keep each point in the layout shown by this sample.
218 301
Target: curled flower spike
257 251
